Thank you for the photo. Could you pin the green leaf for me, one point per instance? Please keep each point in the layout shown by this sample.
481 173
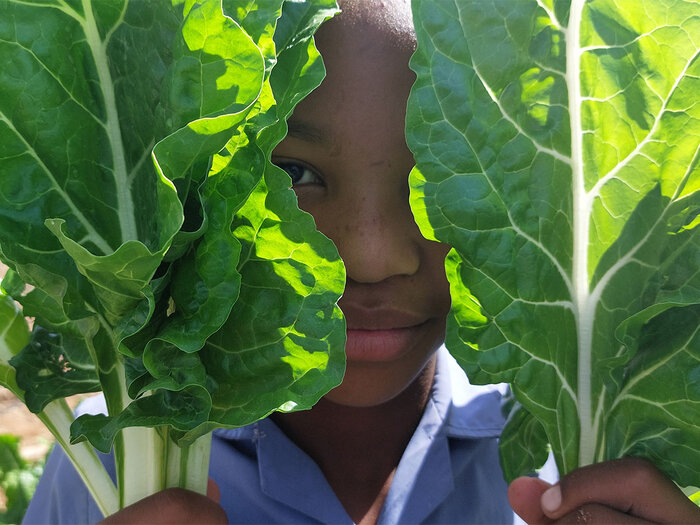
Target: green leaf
48 368
180 410
557 147
14 336
51 107
204 281
14 332
695 498
523 443
650 415
86 227
145 226
285 325
259 20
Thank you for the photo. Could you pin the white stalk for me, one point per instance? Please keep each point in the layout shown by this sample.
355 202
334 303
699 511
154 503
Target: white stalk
140 464
584 307
142 453
57 417
188 467
138 453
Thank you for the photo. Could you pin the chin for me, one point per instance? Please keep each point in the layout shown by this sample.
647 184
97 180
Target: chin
351 397
372 384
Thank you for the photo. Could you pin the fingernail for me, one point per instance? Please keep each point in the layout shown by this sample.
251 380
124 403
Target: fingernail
551 499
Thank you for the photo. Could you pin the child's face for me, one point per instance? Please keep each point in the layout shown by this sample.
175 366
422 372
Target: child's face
347 155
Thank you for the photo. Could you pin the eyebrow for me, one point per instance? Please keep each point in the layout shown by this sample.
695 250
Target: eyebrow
308 132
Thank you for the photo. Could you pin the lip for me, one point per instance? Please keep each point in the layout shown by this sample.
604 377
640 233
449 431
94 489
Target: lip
377 335
379 345
377 319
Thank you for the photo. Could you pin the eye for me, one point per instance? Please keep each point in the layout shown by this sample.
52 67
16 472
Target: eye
299 173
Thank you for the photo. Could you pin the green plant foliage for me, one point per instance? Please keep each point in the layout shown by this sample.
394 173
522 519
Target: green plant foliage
18 479
14 335
557 147
166 254
695 497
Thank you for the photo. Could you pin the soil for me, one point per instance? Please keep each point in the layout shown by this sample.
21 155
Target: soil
35 439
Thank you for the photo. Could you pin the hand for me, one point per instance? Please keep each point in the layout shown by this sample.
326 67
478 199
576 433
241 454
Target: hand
173 506
628 490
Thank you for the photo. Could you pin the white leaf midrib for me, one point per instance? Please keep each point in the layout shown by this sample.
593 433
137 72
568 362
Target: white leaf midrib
584 307
587 299
98 48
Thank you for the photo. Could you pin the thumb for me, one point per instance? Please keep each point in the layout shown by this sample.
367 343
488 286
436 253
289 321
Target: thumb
213 491
630 486
524 495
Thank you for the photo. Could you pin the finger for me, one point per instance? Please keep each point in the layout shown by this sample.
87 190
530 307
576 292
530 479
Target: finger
524 496
599 514
629 485
169 507
213 491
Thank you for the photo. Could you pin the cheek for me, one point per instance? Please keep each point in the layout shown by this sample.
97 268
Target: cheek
327 218
434 262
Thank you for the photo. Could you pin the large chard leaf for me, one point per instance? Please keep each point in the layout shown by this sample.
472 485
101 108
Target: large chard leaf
291 273
281 347
133 269
557 147
84 221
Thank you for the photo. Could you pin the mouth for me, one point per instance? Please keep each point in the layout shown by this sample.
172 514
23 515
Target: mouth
380 335
379 345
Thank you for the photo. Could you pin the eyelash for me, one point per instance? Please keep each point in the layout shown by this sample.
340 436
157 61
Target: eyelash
297 171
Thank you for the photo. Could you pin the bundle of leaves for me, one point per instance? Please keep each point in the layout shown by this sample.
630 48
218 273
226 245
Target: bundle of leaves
161 255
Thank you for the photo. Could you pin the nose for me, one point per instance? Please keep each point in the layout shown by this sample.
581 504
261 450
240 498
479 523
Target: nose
377 237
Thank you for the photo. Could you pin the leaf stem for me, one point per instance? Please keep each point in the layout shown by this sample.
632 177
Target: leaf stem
140 466
138 451
188 467
585 308
57 417
127 218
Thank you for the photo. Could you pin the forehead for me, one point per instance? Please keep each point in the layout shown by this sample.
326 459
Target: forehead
363 96
368 35
392 17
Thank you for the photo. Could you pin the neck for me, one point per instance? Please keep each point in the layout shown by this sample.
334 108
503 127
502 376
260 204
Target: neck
359 448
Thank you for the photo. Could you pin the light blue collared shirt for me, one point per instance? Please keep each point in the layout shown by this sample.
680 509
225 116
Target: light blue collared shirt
449 472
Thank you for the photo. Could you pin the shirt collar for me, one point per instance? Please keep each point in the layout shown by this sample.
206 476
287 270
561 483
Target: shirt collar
456 409
468 411
464 410
287 474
